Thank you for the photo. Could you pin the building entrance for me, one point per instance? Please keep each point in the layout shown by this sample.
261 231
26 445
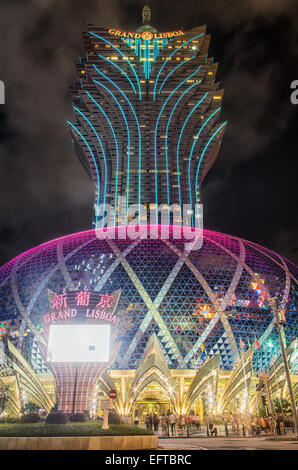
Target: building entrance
152 400
144 408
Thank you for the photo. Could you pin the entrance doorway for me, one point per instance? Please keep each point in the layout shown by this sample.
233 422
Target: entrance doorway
152 400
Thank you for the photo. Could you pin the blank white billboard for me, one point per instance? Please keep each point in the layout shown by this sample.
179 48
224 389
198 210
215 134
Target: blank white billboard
79 343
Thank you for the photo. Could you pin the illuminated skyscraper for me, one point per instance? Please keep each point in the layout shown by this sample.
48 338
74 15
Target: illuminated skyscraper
146 108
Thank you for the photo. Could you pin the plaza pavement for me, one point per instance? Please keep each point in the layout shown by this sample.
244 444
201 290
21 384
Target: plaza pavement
227 443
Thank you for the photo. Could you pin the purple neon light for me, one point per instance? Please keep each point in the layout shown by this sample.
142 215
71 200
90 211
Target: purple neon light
90 235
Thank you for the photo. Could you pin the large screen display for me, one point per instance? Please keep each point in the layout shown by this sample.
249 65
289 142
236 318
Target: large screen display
79 343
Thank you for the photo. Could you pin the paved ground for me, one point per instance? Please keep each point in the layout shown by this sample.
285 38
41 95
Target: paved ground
226 443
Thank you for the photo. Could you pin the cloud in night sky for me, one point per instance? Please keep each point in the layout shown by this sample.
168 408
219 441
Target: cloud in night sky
251 191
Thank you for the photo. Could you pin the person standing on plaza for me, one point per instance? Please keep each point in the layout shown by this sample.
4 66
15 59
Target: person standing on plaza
282 425
243 426
258 426
149 422
136 420
278 430
225 420
167 422
213 429
268 426
234 426
155 422
187 424
182 424
163 421
253 426
263 424
179 425
172 420
198 423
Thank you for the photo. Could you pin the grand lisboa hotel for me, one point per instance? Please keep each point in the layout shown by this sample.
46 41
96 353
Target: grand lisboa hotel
188 330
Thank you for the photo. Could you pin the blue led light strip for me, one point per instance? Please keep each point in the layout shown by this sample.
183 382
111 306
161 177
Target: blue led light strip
174 70
178 147
119 68
155 143
94 161
147 65
125 120
176 50
121 53
191 152
140 141
203 153
117 150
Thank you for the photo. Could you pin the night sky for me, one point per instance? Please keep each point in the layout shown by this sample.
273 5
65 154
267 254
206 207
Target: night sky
251 191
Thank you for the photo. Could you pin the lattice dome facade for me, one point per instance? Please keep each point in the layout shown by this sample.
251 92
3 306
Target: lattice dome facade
198 303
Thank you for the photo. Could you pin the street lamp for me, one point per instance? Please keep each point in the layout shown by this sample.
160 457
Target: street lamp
280 320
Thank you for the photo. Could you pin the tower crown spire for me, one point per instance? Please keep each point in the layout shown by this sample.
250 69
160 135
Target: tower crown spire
146 15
